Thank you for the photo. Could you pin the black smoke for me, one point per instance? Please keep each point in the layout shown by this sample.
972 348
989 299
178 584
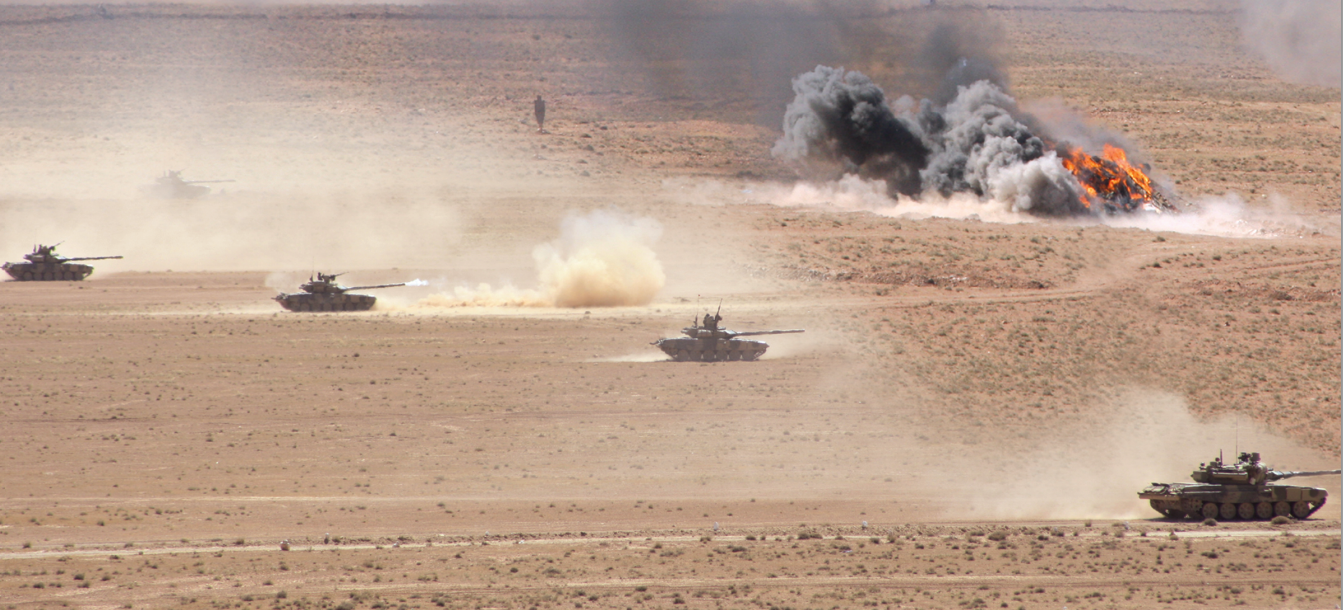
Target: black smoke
977 142
843 116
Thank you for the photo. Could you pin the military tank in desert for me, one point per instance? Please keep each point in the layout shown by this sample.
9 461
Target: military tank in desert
44 265
708 343
324 294
171 185
1244 490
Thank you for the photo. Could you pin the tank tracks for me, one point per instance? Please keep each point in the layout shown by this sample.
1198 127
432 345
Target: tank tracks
343 302
1229 511
693 350
28 272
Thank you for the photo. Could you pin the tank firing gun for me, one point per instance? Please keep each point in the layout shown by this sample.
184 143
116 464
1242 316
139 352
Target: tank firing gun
324 294
326 284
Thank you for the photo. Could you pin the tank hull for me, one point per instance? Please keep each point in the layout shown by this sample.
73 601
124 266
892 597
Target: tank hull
47 272
1233 502
712 350
175 190
326 302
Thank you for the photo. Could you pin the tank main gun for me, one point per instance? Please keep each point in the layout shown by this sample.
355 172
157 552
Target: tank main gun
1276 475
700 332
326 284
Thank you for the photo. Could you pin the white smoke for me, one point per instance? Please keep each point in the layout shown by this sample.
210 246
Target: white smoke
1013 190
1300 39
602 259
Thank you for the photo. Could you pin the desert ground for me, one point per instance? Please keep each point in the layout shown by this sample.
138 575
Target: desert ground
965 423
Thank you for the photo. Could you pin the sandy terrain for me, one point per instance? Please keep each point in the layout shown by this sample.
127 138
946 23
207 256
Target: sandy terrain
964 424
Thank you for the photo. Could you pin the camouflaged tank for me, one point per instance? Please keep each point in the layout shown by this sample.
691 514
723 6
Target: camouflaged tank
709 343
1244 490
44 265
171 186
324 294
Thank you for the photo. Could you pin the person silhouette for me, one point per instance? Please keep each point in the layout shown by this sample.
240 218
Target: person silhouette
540 106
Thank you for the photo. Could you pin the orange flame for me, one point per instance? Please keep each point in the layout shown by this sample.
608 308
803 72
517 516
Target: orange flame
1109 177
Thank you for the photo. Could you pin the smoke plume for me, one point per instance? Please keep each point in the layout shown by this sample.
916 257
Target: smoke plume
1300 39
979 142
601 259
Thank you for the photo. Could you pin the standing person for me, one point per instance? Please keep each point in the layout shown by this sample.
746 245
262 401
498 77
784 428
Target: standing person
540 105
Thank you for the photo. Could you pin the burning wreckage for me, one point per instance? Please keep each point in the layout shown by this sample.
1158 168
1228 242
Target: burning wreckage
971 139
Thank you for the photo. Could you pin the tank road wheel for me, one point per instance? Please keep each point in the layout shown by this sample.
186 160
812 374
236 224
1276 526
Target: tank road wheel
1264 510
1173 513
1301 509
1210 510
1245 511
708 355
734 355
1228 511
681 355
27 276
1282 509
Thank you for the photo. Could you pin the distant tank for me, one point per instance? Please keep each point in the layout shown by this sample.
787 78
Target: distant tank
1244 490
171 186
44 265
324 294
709 343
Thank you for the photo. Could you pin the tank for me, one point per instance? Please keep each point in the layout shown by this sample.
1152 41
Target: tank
324 294
1246 490
171 186
708 342
44 265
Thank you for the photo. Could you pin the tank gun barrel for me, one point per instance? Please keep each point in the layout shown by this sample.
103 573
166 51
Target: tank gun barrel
766 332
91 258
378 286
1276 475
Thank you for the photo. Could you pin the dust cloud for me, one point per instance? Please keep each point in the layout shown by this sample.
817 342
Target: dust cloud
1225 216
1300 39
602 259
240 232
1095 469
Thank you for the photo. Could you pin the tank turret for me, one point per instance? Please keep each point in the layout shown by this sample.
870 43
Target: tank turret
43 264
1243 490
324 294
171 186
708 342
